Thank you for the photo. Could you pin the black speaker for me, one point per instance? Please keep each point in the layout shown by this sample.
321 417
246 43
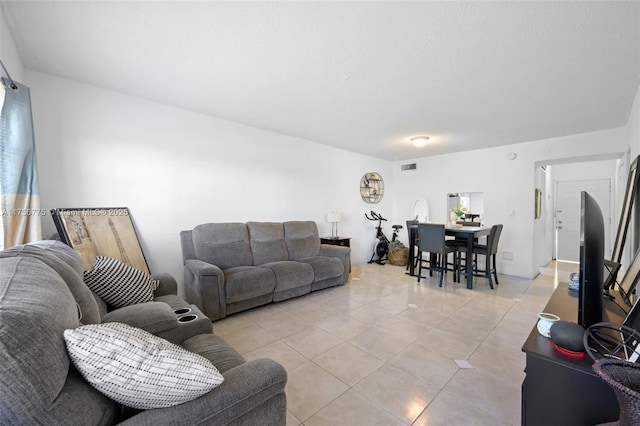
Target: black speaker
567 335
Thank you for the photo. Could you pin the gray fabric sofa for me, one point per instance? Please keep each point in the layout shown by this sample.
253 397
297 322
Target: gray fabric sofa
231 267
42 294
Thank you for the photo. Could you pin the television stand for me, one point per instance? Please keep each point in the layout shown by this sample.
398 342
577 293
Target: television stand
561 389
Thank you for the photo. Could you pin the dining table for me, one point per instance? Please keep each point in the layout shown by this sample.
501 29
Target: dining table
470 234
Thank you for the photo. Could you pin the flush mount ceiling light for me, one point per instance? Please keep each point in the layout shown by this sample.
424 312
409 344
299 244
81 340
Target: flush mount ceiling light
420 140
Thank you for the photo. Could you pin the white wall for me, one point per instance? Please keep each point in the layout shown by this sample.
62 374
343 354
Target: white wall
508 185
175 169
633 127
605 169
8 53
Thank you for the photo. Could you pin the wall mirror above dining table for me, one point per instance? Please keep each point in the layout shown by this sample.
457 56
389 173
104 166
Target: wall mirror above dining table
465 207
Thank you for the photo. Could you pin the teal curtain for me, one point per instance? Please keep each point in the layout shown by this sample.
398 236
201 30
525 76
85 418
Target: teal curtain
19 192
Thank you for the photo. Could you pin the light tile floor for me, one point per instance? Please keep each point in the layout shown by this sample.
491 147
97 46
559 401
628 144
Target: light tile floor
382 349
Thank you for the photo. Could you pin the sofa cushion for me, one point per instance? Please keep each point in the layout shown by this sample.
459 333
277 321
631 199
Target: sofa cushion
267 242
246 282
216 350
302 239
36 306
324 267
138 369
291 274
225 245
119 284
61 258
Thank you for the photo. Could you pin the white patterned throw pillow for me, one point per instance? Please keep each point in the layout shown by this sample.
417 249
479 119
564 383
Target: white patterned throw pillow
119 284
138 369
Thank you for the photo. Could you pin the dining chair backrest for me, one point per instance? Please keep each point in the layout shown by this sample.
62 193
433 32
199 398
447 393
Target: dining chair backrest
493 239
431 237
411 223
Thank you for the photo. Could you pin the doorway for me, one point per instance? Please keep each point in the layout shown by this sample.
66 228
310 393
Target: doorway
567 215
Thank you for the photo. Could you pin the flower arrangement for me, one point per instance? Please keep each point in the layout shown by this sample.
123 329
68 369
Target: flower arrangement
460 210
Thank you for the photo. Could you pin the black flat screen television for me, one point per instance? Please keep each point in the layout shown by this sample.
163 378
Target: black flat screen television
592 239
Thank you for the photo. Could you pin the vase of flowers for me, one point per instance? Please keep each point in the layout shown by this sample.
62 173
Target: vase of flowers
456 213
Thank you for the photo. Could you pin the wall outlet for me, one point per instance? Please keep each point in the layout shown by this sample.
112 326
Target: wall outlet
507 254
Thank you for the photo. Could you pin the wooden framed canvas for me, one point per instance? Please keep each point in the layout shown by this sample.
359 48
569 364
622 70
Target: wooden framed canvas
630 281
633 184
102 231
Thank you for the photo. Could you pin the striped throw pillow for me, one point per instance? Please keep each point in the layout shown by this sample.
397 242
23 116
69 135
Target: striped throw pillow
136 368
119 284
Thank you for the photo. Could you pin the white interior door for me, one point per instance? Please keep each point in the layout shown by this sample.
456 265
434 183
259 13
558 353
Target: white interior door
567 215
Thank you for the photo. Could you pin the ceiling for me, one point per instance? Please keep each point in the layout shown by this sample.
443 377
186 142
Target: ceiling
360 76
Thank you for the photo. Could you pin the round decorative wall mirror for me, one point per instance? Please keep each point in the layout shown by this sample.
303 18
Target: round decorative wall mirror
371 188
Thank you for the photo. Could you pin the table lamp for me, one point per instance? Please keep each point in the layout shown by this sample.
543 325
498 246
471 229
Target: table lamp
334 218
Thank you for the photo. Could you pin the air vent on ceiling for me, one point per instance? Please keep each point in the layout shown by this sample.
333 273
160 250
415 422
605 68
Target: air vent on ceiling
412 166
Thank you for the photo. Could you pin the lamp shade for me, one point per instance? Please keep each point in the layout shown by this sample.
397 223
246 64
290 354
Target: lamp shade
334 217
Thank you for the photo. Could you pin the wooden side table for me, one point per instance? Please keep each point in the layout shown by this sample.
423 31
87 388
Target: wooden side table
337 241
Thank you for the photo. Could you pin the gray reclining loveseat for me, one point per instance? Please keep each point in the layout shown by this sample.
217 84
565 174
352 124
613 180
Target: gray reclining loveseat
231 267
42 294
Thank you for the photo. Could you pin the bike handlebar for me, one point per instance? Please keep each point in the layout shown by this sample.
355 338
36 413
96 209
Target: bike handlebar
374 216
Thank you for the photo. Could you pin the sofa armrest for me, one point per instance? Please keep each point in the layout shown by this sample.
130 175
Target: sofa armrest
160 319
204 287
168 284
334 251
154 317
342 253
252 392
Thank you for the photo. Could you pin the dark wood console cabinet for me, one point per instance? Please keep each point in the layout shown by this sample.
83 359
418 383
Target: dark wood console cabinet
337 241
561 389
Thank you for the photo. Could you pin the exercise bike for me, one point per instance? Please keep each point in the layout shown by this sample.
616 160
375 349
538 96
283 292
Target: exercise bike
381 249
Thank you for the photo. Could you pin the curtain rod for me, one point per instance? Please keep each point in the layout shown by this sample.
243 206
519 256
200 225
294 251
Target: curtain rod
12 84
